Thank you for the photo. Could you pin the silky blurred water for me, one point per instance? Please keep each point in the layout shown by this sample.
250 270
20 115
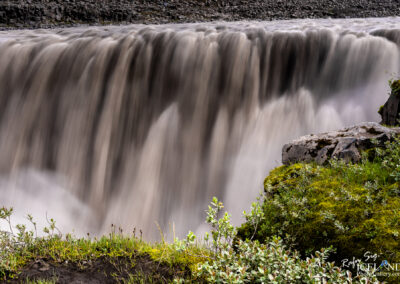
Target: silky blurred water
137 125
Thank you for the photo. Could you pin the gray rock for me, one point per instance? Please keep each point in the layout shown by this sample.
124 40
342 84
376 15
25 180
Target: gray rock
345 144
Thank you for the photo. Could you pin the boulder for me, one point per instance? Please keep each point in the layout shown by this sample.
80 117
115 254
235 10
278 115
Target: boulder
345 144
390 111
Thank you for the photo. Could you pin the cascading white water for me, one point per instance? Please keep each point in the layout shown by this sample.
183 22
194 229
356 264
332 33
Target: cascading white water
142 124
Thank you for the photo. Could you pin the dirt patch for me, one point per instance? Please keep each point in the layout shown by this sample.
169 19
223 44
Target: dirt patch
102 270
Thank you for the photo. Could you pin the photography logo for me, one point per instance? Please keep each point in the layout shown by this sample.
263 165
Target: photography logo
370 264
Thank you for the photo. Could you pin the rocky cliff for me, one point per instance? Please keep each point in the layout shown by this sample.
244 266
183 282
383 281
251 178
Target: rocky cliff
47 13
390 111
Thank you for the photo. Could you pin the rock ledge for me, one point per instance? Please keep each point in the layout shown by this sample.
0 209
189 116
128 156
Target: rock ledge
343 144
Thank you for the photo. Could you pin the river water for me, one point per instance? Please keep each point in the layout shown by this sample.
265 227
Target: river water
142 125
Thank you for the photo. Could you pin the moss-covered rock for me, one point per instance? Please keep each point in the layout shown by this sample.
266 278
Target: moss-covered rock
390 111
395 87
353 207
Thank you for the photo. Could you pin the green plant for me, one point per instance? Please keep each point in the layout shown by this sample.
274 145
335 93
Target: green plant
20 246
42 281
395 87
252 262
223 232
222 259
352 207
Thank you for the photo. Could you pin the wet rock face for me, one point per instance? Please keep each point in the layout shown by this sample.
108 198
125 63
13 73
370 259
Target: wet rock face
390 111
49 13
345 144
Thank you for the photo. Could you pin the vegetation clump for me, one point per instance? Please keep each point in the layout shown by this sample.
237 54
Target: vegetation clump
354 208
395 87
220 258
238 261
114 258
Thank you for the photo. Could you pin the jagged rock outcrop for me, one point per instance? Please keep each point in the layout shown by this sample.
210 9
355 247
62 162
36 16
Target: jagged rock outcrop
345 144
390 111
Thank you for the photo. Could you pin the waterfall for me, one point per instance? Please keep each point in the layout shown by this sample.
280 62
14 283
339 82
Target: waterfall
139 125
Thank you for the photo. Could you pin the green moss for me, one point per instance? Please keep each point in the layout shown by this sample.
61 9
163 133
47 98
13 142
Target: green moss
353 207
84 251
395 87
380 111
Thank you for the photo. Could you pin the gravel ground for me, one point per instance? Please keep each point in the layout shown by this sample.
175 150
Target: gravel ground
47 14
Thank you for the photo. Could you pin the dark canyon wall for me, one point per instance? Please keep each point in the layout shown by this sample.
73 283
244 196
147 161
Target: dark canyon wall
44 13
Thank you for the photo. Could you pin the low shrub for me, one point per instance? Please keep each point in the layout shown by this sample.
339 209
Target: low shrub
352 207
237 261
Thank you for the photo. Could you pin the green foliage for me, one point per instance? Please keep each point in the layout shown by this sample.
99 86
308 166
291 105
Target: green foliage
223 231
20 246
395 87
44 281
352 207
380 110
252 262
223 260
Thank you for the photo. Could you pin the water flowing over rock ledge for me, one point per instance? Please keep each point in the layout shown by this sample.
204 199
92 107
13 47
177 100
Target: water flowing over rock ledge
147 123
46 14
345 144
